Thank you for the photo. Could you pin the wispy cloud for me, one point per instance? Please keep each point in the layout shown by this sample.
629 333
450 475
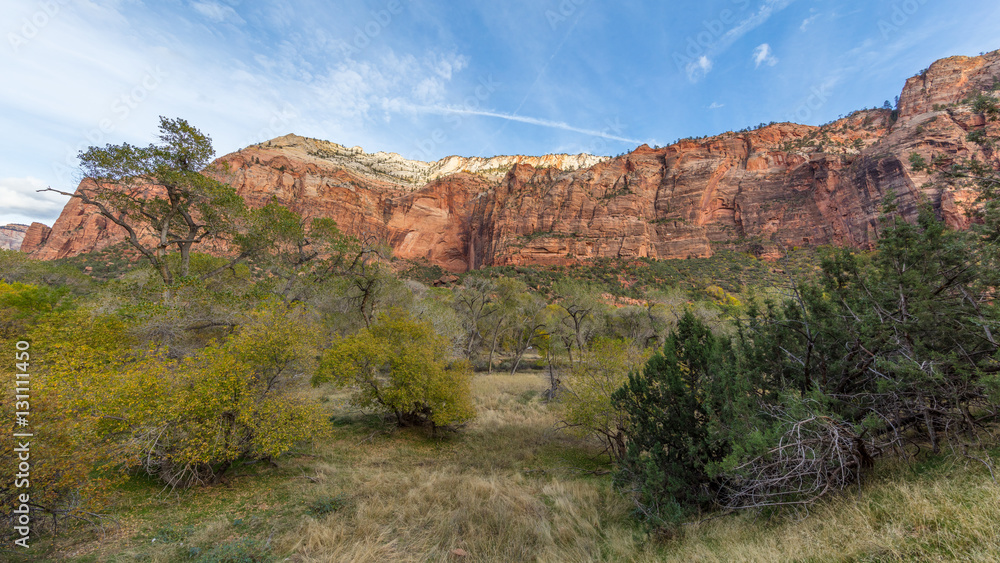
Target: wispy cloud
217 13
762 55
698 69
24 203
806 22
525 119
751 23
716 105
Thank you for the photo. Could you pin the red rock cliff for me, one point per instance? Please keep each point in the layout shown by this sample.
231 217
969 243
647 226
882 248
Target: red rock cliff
779 186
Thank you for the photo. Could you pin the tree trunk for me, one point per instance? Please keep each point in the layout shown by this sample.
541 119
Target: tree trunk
492 350
185 259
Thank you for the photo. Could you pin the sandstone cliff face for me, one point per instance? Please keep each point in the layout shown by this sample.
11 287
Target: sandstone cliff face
35 237
780 186
78 230
11 236
948 81
388 167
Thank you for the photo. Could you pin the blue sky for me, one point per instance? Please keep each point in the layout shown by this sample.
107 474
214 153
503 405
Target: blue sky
430 79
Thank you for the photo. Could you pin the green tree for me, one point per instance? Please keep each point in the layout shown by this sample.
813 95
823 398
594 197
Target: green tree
159 194
400 365
669 407
913 326
602 370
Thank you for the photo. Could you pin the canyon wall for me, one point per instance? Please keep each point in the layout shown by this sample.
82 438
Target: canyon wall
11 236
772 188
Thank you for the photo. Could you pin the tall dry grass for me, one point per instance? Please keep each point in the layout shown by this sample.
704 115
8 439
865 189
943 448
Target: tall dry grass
511 487
499 492
936 511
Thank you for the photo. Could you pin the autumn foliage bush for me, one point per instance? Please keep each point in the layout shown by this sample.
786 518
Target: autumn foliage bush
401 366
188 420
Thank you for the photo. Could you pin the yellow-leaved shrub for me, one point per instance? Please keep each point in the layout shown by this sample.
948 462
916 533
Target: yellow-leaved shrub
188 420
400 365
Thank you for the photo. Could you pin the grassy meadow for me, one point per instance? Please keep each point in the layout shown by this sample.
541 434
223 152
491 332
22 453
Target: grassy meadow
512 486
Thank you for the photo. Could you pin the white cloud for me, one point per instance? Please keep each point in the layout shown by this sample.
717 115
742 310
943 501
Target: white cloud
699 68
806 22
765 12
217 12
716 105
100 74
23 203
429 90
762 55
445 65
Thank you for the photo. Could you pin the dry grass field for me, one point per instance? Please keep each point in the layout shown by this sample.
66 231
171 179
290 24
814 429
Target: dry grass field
511 487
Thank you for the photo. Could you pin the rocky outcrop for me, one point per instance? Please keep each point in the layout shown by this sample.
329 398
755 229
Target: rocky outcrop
948 81
78 230
776 187
35 237
11 236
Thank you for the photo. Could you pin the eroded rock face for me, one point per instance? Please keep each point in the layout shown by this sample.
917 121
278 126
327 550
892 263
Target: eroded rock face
11 236
78 230
948 81
777 187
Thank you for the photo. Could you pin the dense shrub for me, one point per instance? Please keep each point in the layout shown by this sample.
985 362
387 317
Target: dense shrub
400 365
187 420
672 441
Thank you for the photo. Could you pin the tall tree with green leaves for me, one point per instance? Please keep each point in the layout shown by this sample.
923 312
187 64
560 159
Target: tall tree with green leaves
159 194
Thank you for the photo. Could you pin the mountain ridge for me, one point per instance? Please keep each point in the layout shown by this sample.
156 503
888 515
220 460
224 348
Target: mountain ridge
765 189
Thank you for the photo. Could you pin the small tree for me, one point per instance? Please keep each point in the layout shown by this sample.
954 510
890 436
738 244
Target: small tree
507 310
580 307
474 302
601 371
400 365
669 408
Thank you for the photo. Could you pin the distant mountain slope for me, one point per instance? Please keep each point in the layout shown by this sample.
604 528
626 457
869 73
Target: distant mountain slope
11 236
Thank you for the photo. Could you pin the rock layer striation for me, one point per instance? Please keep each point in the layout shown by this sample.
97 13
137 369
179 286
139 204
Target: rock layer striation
11 236
775 187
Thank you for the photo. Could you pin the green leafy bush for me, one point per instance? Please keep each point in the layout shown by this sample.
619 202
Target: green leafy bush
669 408
400 365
